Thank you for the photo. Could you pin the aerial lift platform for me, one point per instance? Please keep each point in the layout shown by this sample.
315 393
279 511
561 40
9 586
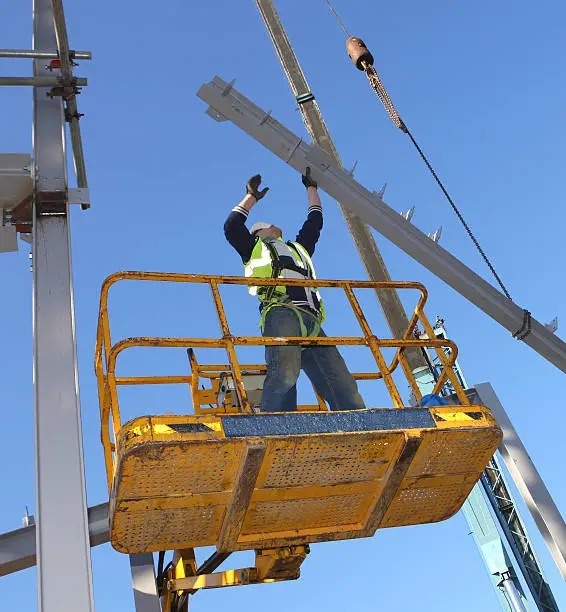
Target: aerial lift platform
231 477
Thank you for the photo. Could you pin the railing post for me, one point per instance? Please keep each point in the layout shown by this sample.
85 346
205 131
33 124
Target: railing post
229 345
373 344
447 370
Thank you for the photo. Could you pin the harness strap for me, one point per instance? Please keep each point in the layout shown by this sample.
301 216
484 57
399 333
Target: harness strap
297 310
269 301
276 269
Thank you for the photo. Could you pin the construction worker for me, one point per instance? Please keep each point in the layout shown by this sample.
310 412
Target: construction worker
290 311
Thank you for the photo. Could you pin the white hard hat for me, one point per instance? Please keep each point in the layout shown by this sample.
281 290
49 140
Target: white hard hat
259 226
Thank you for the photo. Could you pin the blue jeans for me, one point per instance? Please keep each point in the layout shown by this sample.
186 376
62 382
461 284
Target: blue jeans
323 365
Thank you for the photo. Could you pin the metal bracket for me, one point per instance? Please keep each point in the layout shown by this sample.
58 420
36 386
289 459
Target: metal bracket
353 168
265 117
228 88
212 112
79 195
293 149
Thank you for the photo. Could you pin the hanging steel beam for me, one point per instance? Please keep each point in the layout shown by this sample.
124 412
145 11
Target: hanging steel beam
316 127
529 482
63 548
228 104
17 548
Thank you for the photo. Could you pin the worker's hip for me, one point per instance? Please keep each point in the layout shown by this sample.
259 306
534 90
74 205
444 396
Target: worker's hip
289 320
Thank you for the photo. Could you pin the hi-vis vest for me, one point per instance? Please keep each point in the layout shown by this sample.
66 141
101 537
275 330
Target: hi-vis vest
262 265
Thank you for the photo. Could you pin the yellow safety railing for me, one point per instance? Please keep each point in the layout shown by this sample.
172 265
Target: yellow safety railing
107 353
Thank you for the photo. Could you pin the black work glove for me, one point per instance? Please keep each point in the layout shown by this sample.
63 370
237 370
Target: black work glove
252 188
308 181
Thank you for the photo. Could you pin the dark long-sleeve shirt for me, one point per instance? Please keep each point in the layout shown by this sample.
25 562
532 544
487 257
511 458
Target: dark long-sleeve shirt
240 238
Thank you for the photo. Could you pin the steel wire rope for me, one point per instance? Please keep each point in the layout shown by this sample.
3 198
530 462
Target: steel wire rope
383 96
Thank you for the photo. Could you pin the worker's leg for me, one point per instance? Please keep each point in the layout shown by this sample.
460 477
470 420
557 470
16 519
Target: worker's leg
283 362
328 372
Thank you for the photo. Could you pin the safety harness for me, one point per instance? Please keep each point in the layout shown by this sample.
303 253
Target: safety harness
273 296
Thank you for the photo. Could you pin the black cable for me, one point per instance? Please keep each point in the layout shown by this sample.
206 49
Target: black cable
384 98
459 214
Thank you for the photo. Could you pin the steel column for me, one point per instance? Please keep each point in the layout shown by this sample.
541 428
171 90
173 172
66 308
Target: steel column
146 598
228 104
491 548
513 595
529 482
63 549
503 571
316 127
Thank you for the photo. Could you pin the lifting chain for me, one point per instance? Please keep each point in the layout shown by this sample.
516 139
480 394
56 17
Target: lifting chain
382 94
363 60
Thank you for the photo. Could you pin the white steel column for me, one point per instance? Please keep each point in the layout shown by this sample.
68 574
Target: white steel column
146 598
63 549
529 482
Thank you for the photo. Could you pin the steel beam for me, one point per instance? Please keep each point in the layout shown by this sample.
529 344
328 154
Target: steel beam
63 548
316 127
45 55
529 482
146 598
39 81
228 104
17 548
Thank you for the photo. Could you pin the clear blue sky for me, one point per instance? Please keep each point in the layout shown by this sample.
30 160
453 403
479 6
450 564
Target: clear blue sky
480 85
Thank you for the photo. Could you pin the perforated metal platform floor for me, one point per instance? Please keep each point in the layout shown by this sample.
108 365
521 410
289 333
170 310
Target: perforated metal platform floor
252 481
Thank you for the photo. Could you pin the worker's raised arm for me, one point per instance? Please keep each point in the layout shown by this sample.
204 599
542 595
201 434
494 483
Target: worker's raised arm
310 232
235 228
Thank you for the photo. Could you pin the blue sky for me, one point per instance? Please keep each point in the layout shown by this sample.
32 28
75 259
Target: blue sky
479 84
